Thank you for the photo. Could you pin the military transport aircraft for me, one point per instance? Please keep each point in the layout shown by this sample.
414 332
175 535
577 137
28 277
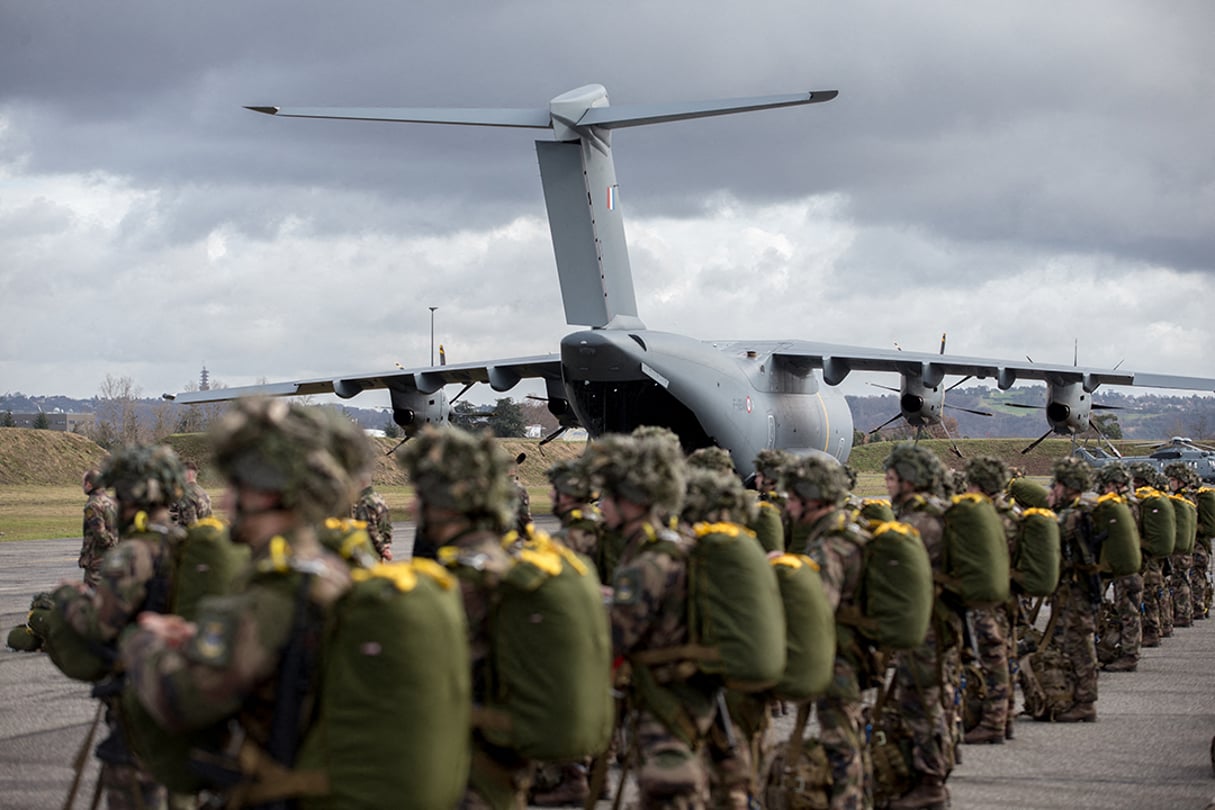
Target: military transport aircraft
742 395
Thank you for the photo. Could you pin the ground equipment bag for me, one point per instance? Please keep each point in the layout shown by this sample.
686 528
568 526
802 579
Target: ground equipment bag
395 660
809 626
1046 683
1035 562
1114 527
798 774
1157 522
975 559
550 695
897 593
735 614
29 637
1187 524
1206 512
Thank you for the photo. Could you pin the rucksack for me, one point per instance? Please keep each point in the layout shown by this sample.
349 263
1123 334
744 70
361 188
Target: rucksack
1114 528
1157 522
1206 512
975 558
1035 563
809 627
1187 524
897 591
550 691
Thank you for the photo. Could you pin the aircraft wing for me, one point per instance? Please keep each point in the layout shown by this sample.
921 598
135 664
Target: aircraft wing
836 362
501 375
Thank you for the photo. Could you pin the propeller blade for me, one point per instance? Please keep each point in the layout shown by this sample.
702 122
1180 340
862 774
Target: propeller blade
1022 405
952 444
397 446
894 418
959 382
1097 429
463 391
968 410
884 387
1097 407
943 346
552 435
1038 441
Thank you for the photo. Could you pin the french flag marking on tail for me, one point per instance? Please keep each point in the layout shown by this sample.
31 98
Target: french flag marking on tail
611 197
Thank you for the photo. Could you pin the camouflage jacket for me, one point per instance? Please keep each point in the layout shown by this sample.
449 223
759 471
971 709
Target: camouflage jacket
194 505
581 529
1076 535
230 667
479 561
99 530
371 509
650 592
523 514
925 513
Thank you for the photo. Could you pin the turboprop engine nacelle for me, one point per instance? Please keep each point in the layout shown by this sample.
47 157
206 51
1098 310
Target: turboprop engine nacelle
920 403
1068 407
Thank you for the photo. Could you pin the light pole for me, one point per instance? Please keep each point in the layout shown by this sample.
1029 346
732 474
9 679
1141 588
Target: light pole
432 335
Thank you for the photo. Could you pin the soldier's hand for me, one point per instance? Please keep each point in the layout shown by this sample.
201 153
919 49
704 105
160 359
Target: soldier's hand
386 554
174 631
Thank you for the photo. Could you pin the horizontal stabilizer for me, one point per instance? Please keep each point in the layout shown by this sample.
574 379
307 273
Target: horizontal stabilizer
534 118
635 115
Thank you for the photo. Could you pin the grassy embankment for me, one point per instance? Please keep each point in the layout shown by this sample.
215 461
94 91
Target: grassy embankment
40 472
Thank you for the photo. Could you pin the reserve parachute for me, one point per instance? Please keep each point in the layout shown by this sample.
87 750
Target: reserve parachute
975 559
1114 528
1035 562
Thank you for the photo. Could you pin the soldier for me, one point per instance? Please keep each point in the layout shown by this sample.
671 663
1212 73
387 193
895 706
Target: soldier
195 503
923 681
466 499
370 508
100 529
252 656
992 627
1127 635
1155 585
523 508
765 520
1177 474
1074 603
670 710
572 496
823 529
146 480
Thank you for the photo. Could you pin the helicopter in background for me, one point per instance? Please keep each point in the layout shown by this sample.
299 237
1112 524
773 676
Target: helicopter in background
1201 459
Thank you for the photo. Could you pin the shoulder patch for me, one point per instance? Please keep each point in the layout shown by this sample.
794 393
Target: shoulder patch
212 643
626 587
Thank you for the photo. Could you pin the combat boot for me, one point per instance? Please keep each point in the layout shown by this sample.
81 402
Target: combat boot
1127 663
979 735
571 790
929 794
1079 713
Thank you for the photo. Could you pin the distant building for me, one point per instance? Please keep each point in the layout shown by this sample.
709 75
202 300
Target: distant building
67 422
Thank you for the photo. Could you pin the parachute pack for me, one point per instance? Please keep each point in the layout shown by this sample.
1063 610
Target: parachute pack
1187 524
28 637
1035 563
550 695
1206 512
1157 522
897 592
1114 527
809 626
975 559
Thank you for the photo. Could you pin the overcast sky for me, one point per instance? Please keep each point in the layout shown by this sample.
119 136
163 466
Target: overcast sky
1019 175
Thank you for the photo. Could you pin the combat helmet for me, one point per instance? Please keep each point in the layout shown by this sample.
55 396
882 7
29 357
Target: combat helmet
1073 473
144 475
570 477
647 471
711 494
817 478
467 473
1114 473
988 474
1184 473
771 463
1143 472
915 465
310 457
712 458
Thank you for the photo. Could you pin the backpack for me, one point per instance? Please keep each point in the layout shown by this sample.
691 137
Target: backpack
1206 512
1114 528
1035 564
975 559
1187 524
1029 494
1047 683
897 591
809 627
1157 522
550 691
395 658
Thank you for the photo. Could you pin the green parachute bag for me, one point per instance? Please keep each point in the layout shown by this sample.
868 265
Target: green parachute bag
975 559
768 527
22 639
875 510
207 563
348 538
897 593
1206 512
1114 527
1187 524
1157 522
1035 564
40 607
734 609
1029 494
396 696
74 655
809 627
550 690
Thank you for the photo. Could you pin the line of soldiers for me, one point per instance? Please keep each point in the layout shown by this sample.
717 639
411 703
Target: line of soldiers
634 506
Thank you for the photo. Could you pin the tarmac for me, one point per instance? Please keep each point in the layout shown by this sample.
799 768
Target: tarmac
1150 747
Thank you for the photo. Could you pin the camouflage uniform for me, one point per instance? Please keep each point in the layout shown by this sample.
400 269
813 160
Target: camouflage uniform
1123 636
1155 586
371 509
194 505
99 531
836 543
581 523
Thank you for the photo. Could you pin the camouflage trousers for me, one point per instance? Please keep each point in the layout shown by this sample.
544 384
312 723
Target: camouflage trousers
498 779
841 733
733 777
1153 589
1200 581
991 630
126 785
1183 605
1120 630
1073 635
925 695
671 773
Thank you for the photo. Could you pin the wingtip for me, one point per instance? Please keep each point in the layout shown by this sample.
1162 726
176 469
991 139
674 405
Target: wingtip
266 110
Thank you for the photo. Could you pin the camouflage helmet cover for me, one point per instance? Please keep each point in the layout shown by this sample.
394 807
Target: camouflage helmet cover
771 463
1143 472
648 471
570 477
988 473
312 458
1114 473
1073 473
144 475
712 494
817 478
915 465
1183 473
465 472
712 458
